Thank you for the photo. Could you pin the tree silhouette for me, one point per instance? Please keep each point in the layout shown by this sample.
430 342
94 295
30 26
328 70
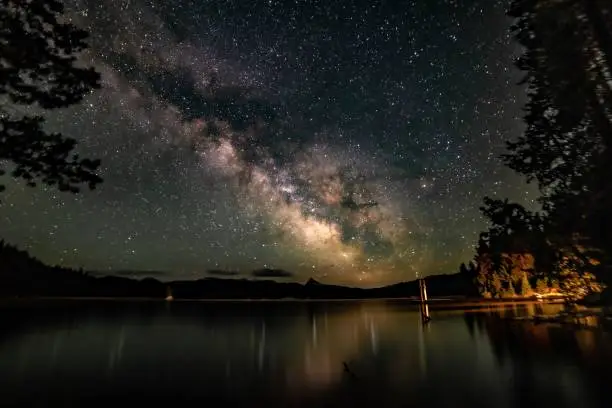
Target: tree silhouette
567 145
38 55
567 72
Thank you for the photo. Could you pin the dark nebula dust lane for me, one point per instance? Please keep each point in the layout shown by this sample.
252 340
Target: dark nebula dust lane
347 141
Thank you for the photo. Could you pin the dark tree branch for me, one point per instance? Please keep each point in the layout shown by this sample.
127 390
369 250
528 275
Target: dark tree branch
38 67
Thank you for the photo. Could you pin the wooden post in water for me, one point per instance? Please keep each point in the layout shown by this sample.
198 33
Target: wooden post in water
424 306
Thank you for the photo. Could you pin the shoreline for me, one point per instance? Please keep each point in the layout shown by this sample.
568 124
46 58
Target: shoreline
436 303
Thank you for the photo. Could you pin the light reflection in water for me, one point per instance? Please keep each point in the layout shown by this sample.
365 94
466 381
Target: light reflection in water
294 353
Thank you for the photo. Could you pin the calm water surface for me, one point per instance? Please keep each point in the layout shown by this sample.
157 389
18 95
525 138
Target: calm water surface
293 354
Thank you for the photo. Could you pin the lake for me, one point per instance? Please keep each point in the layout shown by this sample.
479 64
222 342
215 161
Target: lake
96 353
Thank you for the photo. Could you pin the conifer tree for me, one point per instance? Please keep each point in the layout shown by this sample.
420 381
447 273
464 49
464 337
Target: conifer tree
526 289
567 145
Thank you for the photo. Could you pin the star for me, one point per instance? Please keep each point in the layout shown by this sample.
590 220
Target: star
352 144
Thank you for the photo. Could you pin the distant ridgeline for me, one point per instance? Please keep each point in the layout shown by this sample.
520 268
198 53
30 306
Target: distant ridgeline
25 276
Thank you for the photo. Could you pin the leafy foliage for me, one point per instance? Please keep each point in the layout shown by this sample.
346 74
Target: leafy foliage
39 70
568 131
566 149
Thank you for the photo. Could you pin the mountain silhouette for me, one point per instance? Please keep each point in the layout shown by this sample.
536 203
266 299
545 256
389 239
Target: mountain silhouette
22 275
312 281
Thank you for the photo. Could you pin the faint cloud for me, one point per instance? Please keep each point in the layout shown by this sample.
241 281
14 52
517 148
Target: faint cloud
221 272
271 273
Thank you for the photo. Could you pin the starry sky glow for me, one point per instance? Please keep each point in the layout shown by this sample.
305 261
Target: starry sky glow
241 135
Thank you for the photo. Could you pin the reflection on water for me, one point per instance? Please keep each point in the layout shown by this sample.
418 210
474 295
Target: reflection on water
293 354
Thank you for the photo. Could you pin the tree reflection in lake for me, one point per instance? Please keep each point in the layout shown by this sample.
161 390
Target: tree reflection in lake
291 354
550 364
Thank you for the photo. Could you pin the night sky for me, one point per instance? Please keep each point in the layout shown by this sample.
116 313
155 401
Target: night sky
237 135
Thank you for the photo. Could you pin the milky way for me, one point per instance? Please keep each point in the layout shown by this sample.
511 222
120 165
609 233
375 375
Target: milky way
347 141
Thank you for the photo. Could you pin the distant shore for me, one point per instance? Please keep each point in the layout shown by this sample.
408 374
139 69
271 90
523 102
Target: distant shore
435 303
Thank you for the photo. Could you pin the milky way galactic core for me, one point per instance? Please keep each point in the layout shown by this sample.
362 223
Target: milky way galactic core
348 141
